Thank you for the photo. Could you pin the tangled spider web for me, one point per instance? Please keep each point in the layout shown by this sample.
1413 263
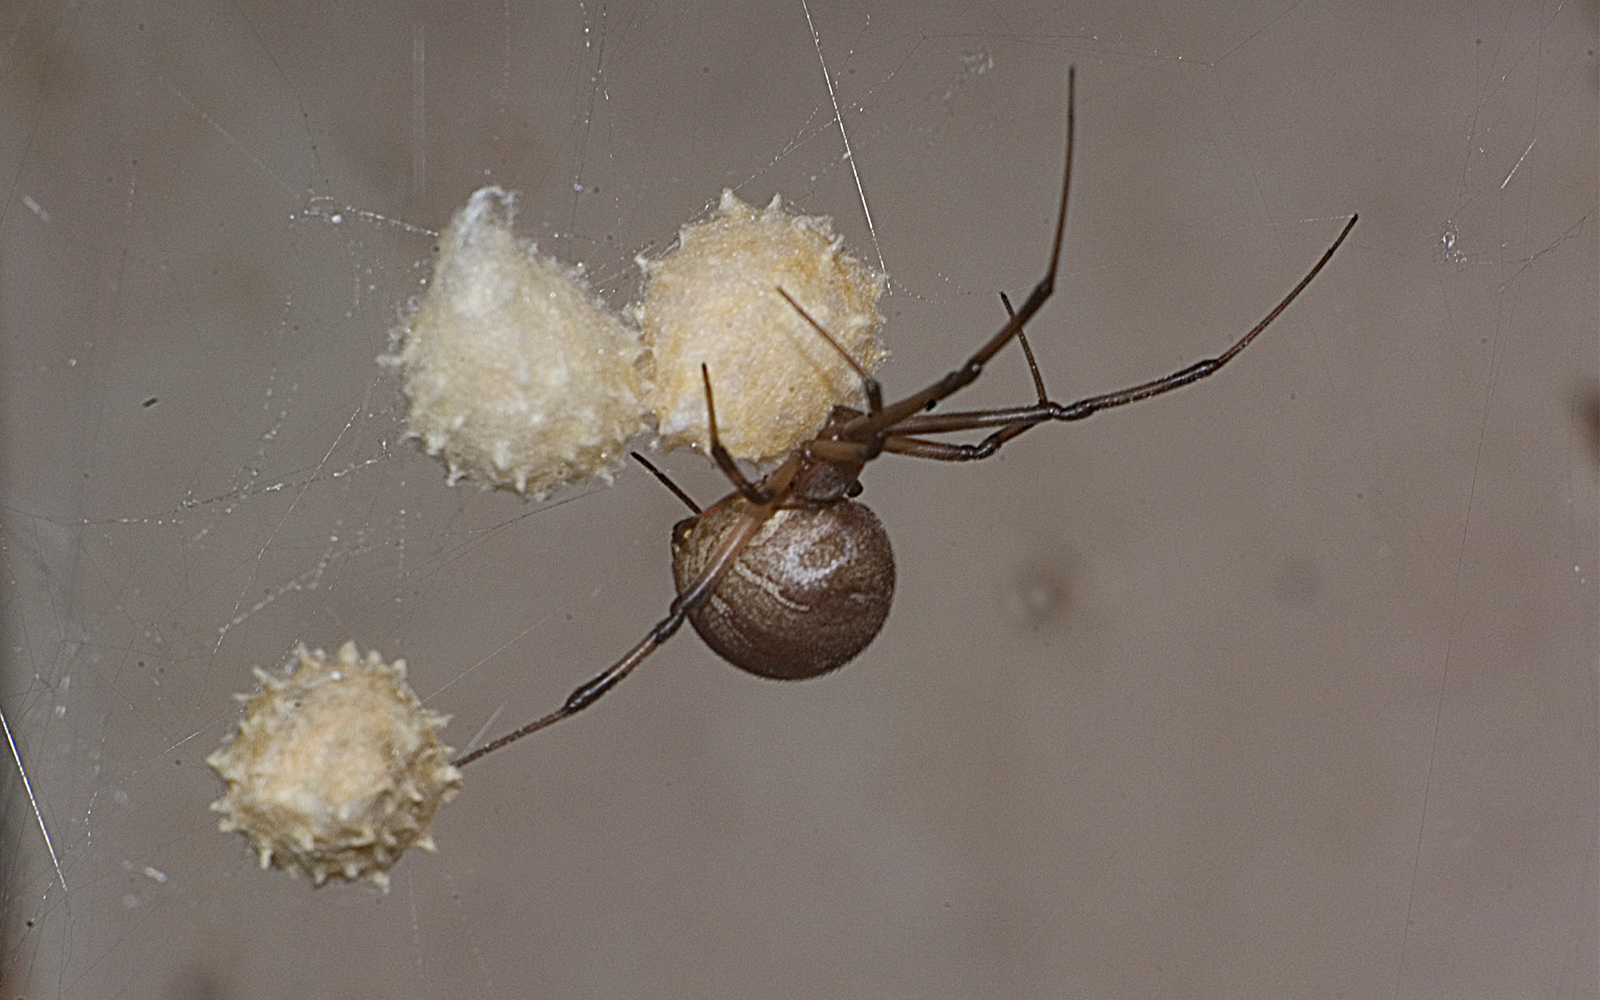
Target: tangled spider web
1288 681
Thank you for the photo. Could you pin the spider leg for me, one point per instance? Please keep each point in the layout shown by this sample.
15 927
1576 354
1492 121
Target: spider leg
871 386
1012 421
948 451
666 481
964 376
1027 352
590 691
725 462
841 452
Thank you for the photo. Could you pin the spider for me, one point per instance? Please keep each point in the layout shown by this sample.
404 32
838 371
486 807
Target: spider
790 577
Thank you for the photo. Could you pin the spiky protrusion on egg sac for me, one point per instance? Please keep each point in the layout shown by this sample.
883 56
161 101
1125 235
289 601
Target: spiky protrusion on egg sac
713 299
336 768
516 375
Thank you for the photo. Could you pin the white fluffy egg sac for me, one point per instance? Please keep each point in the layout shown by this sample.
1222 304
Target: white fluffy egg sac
336 768
517 377
713 299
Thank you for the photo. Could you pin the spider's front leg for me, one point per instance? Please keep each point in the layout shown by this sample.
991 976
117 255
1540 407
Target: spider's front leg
890 417
728 549
903 436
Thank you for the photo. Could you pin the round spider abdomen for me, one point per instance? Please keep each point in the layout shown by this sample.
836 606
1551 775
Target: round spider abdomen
806 595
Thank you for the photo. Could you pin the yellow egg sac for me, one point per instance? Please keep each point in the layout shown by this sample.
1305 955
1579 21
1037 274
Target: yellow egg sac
336 768
713 299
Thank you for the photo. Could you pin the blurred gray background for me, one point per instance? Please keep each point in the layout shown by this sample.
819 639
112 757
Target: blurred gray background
1281 686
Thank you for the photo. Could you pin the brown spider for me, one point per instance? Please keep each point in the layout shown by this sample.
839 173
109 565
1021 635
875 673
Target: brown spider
790 578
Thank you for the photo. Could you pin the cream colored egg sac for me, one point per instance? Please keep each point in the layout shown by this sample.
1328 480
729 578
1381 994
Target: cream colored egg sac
516 376
336 768
713 300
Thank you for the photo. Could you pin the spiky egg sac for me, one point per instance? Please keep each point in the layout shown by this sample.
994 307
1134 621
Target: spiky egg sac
516 376
336 768
713 299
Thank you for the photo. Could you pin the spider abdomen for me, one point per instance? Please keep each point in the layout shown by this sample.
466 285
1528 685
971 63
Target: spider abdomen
808 593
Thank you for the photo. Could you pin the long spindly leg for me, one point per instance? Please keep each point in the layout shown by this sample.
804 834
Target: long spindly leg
946 451
587 693
1027 352
719 454
858 450
869 385
666 480
964 376
904 438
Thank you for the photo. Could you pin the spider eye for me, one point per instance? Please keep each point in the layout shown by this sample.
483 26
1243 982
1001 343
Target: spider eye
680 531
